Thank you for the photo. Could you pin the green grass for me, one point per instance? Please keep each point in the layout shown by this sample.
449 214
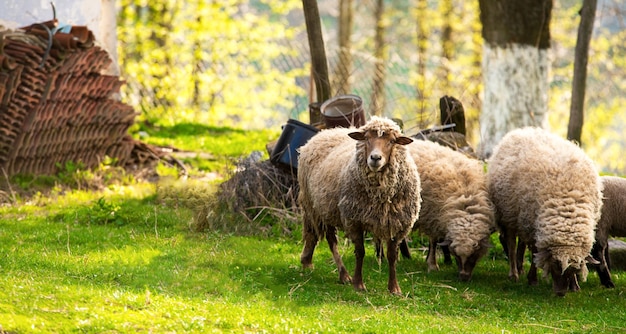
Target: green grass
122 259
226 145
64 272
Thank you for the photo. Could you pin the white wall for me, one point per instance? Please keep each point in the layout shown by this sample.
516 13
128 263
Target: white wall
97 15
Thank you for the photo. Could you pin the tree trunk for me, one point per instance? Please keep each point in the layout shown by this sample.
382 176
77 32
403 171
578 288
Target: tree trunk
316 46
585 30
515 67
378 89
108 35
344 65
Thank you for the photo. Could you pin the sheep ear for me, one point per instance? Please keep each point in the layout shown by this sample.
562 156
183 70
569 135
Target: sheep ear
357 135
591 260
486 242
444 243
402 140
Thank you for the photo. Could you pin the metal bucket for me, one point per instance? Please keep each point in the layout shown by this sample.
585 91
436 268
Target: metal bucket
343 111
294 135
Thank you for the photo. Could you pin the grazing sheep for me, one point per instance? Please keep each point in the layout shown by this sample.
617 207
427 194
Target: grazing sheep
548 193
371 185
456 207
612 223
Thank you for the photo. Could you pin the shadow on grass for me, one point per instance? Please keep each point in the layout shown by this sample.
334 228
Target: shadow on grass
159 253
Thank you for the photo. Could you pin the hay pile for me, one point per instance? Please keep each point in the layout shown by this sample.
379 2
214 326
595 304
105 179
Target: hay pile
262 193
257 184
257 199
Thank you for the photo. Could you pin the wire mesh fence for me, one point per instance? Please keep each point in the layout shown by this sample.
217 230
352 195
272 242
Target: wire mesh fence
412 94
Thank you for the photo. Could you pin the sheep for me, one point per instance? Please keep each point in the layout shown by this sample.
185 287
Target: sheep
371 185
548 193
612 223
456 207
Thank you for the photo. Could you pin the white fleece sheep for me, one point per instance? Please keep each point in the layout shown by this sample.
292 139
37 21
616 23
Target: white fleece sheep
456 207
548 192
370 185
612 223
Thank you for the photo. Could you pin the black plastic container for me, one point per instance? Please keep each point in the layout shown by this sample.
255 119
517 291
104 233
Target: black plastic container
295 134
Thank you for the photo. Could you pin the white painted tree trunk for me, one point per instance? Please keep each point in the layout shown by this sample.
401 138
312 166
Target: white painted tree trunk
107 34
515 92
98 15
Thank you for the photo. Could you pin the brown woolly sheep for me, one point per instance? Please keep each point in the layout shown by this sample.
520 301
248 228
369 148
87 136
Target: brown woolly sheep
370 185
456 207
547 192
612 223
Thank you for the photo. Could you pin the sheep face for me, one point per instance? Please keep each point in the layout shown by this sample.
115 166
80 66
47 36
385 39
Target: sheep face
564 275
563 280
378 146
467 256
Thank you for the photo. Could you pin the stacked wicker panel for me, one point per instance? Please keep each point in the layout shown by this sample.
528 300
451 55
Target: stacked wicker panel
55 106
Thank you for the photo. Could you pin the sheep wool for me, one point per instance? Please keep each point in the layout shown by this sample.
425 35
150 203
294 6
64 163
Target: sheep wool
386 203
548 192
456 207
612 223
339 190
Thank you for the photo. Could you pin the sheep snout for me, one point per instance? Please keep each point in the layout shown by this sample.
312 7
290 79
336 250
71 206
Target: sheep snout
375 161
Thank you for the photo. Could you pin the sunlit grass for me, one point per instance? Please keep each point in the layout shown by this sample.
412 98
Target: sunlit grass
225 145
126 258
152 274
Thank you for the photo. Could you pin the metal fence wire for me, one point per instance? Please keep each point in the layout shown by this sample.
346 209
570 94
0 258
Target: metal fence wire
414 98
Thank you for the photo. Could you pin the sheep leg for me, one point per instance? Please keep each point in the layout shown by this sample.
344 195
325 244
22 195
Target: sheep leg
431 258
521 252
359 254
404 249
380 253
532 272
510 243
310 239
599 252
331 237
573 283
392 258
447 257
607 257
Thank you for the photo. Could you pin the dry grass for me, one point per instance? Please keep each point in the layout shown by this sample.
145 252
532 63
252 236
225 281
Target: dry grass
258 198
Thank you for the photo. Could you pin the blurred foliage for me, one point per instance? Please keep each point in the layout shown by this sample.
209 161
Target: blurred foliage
603 137
207 61
244 63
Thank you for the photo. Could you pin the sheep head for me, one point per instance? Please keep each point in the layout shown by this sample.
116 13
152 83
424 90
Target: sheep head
564 271
379 145
467 255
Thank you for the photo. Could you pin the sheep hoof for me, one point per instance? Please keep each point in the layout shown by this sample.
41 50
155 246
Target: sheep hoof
514 278
344 278
395 291
609 284
433 268
307 265
359 286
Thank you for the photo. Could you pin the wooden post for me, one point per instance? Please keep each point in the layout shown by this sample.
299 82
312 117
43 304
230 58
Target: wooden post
452 111
316 46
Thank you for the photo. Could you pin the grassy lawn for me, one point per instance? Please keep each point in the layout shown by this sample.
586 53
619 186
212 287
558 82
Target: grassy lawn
121 260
